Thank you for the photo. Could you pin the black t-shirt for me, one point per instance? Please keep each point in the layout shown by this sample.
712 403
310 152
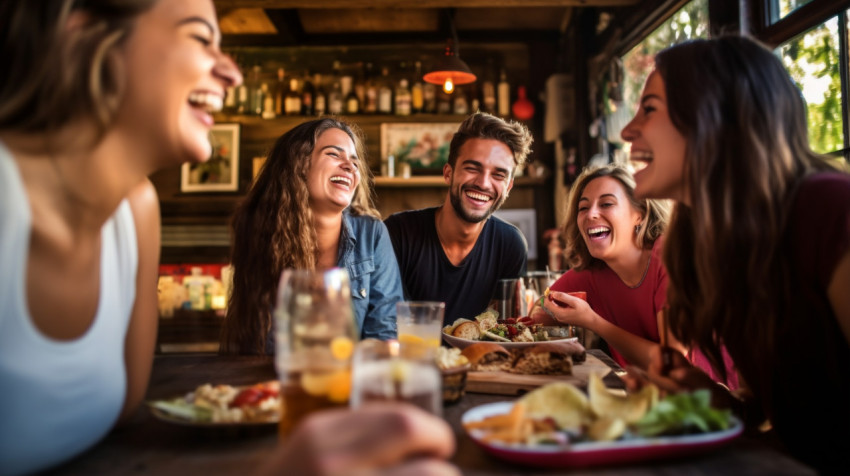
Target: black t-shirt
427 274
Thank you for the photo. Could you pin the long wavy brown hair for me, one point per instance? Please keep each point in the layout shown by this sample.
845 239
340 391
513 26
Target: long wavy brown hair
273 229
747 150
655 213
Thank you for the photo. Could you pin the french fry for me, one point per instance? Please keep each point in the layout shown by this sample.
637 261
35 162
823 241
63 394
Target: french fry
493 421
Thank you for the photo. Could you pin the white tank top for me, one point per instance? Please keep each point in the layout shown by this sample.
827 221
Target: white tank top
59 398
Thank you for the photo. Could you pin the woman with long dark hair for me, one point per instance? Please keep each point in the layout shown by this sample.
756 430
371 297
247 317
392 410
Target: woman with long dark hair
758 249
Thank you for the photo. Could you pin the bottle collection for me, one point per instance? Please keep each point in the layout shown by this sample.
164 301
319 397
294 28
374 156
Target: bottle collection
361 88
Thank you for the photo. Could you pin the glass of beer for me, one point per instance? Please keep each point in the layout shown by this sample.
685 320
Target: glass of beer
315 334
420 327
381 373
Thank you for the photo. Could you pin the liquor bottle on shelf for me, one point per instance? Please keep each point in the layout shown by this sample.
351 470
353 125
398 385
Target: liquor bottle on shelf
255 100
268 102
360 85
308 92
444 102
474 98
385 93
280 90
417 101
504 95
242 99
429 98
402 99
352 102
488 96
335 99
293 98
460 105
320 100
370 102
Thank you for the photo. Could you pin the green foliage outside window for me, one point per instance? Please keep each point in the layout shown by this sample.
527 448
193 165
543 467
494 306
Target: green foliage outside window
690 22
812 60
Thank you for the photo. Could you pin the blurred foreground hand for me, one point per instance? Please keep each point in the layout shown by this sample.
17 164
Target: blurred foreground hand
376 439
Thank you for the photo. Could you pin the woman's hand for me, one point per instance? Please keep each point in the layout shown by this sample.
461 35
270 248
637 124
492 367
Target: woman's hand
681 377
569 310
386 439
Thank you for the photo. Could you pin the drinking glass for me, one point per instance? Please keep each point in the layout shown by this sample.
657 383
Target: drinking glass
420 325
381 373
315 334
509 298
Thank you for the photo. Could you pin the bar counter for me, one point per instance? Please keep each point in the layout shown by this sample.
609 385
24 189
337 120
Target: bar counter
146 445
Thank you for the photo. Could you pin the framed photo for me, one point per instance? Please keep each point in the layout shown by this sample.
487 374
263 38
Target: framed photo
425 146
221 172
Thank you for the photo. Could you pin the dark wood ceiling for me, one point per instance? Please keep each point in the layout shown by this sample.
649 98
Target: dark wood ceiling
318 22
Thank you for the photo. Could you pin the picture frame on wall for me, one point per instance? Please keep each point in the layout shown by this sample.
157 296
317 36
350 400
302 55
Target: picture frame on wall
220 173
423 146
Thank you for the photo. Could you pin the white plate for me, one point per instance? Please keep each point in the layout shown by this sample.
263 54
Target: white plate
593 453
461 343
176 420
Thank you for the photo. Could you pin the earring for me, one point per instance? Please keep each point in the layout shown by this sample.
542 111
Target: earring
637 229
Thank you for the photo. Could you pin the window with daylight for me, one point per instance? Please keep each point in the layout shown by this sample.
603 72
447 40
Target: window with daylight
814 61
690 21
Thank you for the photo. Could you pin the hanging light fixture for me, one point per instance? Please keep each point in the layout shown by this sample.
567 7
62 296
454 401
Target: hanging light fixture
450 70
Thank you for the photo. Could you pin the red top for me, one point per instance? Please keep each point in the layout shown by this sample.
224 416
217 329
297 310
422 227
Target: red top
633 309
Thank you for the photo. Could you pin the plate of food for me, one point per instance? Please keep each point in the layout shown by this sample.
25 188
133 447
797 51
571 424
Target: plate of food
222 406
512 333
558 426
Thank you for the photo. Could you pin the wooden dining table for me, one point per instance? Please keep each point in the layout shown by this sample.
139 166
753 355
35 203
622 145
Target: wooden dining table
147 445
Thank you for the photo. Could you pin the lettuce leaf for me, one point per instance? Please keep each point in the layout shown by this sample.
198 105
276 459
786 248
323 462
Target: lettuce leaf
183 409
683 413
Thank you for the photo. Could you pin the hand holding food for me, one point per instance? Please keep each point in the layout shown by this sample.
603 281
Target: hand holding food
681 377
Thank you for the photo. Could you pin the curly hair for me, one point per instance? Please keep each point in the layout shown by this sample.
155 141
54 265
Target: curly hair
655 213
273 229
81 75
747 150
481 125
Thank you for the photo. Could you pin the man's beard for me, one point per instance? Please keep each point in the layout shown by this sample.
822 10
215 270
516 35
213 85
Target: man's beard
455 200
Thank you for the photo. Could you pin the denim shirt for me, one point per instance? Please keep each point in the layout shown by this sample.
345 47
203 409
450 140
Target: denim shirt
365 250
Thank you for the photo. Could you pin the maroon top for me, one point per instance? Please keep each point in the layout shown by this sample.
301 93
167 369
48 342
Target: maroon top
810 383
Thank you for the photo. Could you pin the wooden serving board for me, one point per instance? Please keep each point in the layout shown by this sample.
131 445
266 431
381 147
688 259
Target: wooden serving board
504 383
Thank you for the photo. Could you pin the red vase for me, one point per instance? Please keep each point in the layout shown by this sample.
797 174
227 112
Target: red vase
523 109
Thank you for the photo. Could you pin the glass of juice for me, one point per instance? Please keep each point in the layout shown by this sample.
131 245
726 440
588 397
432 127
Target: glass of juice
380 372
420 325
315 335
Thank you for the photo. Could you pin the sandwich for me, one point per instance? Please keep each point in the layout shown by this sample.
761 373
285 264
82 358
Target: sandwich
548 359
488 357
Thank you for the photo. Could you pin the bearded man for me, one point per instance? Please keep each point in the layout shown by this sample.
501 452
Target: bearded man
457 252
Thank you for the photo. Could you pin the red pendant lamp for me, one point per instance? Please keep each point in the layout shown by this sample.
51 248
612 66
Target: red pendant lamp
450 70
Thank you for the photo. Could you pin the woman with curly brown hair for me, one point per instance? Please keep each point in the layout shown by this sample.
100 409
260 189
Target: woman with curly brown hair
310 208
758 249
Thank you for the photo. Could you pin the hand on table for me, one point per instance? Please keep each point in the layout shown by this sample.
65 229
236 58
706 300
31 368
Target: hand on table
386 439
